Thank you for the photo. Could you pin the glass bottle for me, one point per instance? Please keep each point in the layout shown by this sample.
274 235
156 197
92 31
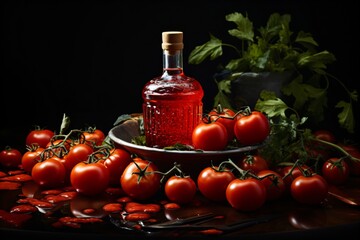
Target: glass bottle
172 102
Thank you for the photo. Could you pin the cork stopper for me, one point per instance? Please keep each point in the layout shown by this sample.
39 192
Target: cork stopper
172 40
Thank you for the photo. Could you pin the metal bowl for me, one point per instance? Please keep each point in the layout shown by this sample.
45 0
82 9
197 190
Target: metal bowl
189 161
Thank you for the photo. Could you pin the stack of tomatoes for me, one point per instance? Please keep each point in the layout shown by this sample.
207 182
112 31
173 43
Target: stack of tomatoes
244 127
80 158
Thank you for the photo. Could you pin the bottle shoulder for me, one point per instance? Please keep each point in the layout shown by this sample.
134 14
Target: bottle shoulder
189 87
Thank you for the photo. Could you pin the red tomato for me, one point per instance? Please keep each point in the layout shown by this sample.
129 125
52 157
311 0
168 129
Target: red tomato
78 153
90 178
139 179
252 129
335 171
39 136
325 135
317 149
49 173
296 172
31 157
246 194
10 157
212 183
273 182
353 165
180 190
211 136
310 190
253 163
223 116
94 136
116 163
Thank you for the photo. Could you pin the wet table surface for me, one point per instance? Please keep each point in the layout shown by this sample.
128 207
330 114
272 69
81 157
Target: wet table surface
292 221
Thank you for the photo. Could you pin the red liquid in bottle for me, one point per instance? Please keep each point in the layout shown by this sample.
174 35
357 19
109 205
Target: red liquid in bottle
172 102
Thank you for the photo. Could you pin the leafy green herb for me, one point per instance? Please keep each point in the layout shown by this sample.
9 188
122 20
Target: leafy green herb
275 48
287 137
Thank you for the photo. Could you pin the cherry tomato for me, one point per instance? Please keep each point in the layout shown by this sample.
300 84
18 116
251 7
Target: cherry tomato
289 177
335 171
10 157
49 173
139 179
253 163
211 136
212 183
311 190
90 178
353 165
325 135
78 153
223 116
180 189
274 184
246 194
116 163
252 129
31 157
317 149
39 136
95 136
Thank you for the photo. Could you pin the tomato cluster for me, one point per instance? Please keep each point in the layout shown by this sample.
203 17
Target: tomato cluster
222 127
90 164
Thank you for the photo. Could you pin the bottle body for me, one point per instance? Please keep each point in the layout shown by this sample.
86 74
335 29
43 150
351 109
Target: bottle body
172 103
172 108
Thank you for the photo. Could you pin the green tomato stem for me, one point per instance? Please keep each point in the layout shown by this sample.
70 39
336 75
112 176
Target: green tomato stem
347 155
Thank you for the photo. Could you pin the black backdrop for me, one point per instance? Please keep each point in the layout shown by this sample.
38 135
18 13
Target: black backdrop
90 59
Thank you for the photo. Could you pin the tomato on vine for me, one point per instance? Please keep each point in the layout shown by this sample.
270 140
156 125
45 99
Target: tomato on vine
49 173
10 157
77 153
116 162
335 171
309 189
224 116
90 178
253 162
140 179
180 189
354 165
325 135
39 136
213 181
246 192
252 128
31 157
94 136
273 182
210 136
289 173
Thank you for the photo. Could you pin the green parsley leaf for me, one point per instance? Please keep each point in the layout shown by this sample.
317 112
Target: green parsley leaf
211 49
346 116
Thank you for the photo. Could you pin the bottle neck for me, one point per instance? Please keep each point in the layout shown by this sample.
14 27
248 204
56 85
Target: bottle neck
173 62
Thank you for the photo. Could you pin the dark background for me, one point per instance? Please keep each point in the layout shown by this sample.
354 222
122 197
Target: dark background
90 59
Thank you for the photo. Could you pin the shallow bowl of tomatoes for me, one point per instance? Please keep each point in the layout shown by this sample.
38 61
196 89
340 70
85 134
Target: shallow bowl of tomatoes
123 134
